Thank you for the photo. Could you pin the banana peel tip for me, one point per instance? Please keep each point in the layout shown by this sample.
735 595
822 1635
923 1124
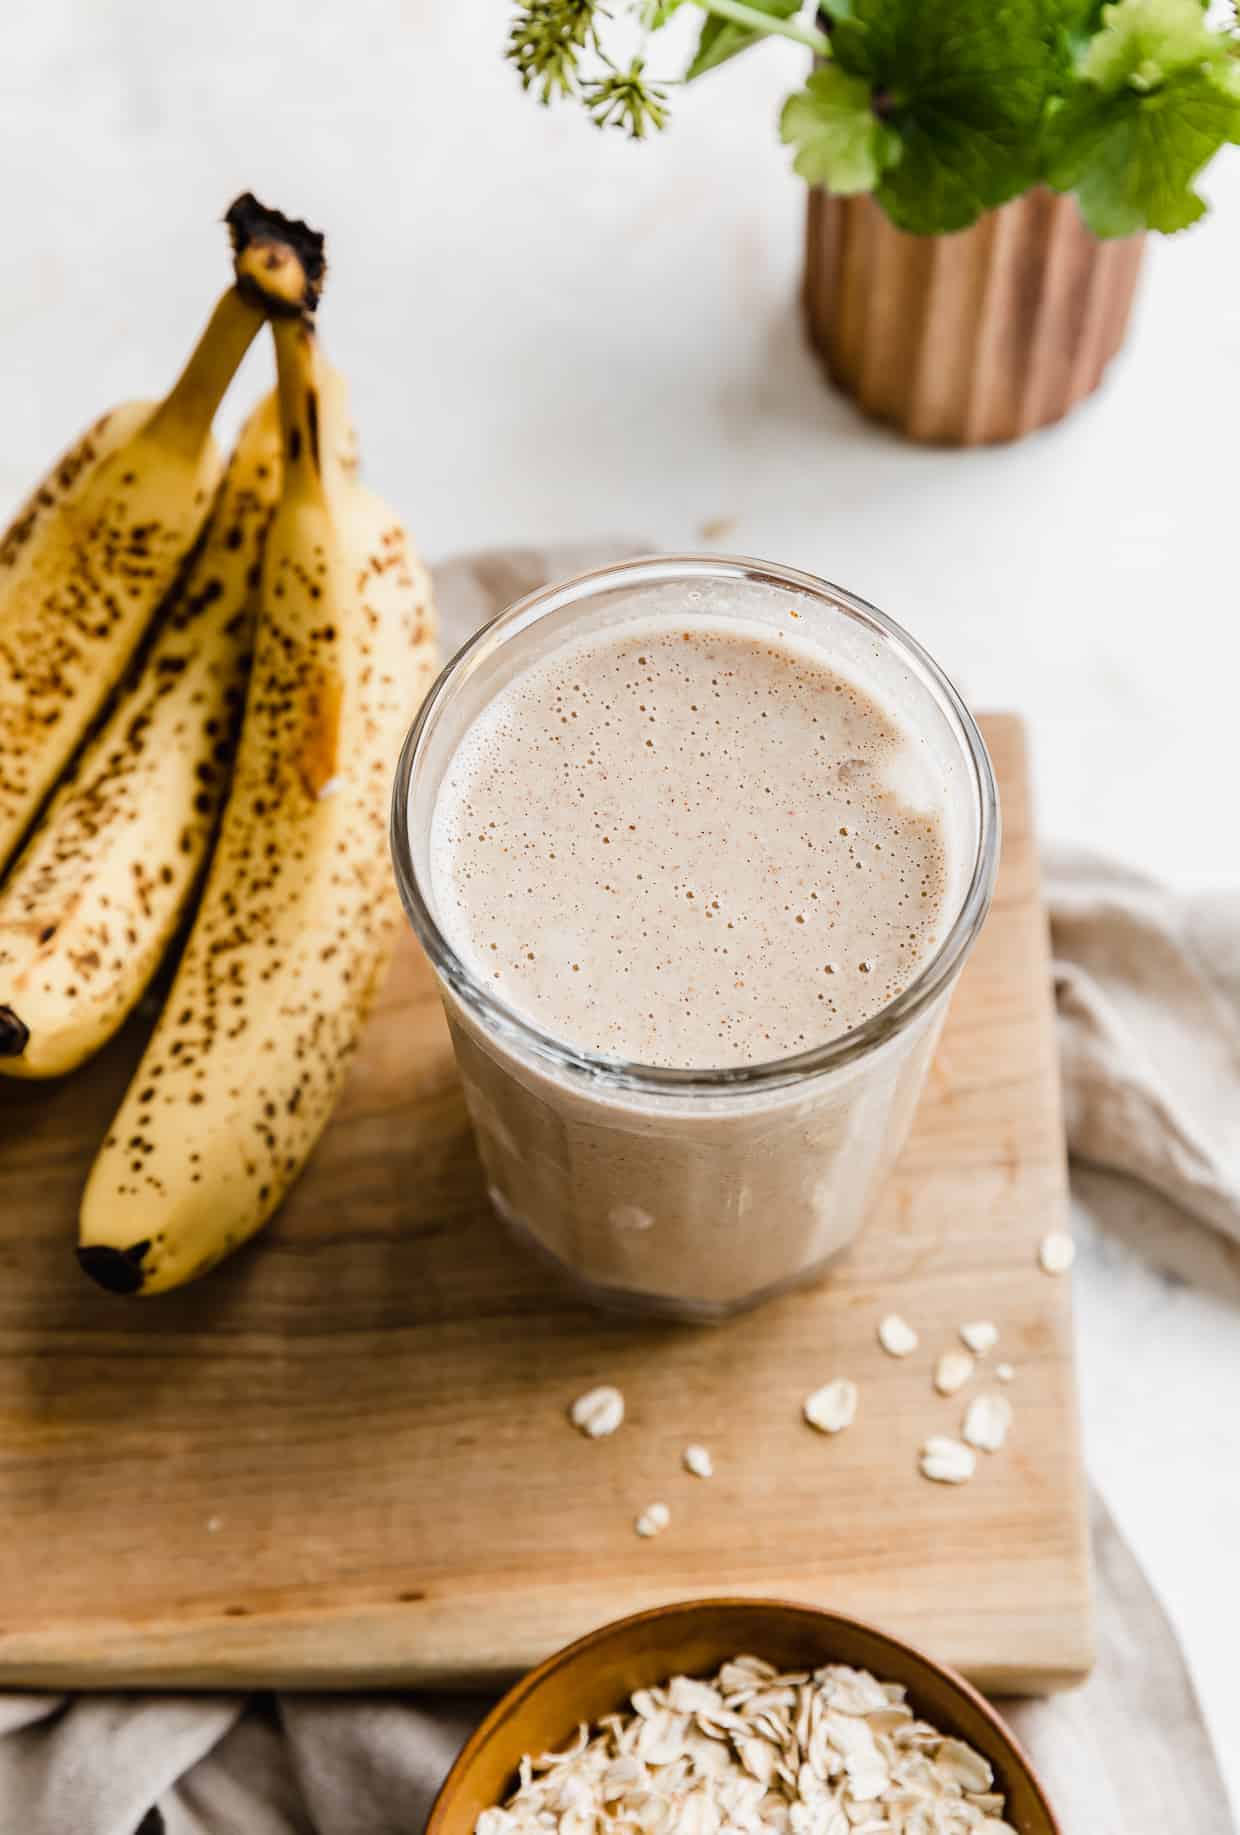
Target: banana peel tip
117 1270
14 1034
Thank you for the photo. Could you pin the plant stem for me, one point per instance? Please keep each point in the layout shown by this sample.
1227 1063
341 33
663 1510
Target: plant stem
764 23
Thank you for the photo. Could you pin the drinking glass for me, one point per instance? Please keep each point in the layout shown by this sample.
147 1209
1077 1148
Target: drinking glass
686 1192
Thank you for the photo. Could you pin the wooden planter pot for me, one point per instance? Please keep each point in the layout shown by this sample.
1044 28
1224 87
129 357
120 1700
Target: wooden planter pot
966 339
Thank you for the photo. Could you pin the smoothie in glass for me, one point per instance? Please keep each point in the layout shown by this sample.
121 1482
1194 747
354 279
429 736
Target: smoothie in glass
697 848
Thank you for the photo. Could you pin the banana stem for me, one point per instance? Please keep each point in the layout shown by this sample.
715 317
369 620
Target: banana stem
278 260
184 417
298 372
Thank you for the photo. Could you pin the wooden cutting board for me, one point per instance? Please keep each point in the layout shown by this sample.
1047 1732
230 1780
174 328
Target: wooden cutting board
343 1459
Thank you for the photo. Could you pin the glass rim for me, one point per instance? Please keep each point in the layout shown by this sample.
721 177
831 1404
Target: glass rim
499 1017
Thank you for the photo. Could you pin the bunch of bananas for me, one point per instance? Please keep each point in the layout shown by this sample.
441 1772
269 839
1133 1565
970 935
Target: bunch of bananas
205 676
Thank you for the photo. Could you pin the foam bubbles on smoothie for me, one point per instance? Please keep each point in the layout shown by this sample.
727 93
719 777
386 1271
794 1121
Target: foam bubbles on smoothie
689 844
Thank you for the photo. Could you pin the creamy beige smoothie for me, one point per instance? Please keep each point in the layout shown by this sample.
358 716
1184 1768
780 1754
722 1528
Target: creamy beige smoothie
687 856
682 844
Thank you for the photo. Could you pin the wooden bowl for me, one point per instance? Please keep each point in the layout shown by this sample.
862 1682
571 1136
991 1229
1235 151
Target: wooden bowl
596 1676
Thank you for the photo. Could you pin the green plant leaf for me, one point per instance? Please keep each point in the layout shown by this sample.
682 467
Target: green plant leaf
1143 42
720 39
1158 95
840 141
964 85
1073 24
1132 159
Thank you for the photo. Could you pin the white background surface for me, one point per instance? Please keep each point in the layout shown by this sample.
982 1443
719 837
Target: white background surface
553 334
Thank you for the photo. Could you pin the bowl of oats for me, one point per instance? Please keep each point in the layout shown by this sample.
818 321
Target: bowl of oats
742 1717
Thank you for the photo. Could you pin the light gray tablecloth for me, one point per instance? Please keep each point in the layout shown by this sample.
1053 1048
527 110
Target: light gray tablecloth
1149 1002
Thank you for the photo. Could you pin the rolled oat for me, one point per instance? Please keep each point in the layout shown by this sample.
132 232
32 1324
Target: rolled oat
756 1752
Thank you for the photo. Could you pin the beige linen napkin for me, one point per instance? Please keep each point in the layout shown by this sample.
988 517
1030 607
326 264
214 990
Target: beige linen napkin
1149 998
1148 992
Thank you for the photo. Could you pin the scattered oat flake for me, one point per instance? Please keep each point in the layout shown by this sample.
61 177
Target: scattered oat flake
213 1525
654 1521
697 1459
947 1461
981 1336
1004 1372
1057 1252
598 1412
833 1407
952 1371
986 1422
897 1336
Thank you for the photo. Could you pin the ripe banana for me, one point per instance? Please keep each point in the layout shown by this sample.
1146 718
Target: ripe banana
67 479
90 906
299 913
85 569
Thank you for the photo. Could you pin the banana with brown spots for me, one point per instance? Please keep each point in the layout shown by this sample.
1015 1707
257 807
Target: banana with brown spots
91 556
300 913
89 908
66 481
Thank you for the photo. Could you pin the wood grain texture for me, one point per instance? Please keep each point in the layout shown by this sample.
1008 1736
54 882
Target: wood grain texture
966 339
343 1459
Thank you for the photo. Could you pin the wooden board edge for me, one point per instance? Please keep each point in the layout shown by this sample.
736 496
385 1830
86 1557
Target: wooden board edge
1012 732
413 1647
